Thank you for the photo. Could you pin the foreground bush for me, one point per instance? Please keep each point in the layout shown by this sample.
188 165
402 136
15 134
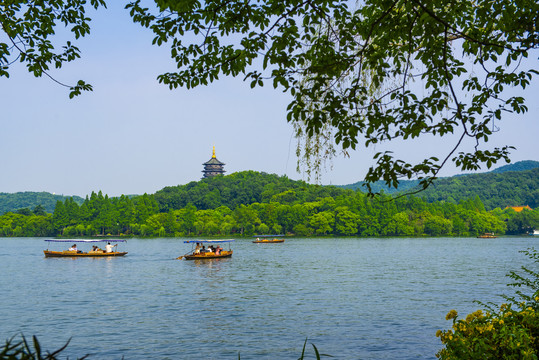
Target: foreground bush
508 332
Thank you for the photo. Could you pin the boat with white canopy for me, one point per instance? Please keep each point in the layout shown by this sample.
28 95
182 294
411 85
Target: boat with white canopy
206 249
110 247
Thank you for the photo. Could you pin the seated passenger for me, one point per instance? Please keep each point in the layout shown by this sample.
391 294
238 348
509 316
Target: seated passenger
73 247
95 248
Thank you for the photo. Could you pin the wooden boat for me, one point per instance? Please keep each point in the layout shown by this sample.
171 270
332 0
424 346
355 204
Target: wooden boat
201 255
263 239
79 253
487 236
267 241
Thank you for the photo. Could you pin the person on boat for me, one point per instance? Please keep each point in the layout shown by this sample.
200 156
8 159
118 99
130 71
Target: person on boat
73 247
108 247
218 250
197 249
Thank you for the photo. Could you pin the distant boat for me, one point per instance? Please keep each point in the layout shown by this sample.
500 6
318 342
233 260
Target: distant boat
79 253
263 239
534 233
487 236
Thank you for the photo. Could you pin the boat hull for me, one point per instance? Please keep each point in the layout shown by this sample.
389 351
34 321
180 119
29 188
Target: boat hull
487 236
268 241
204 256
67 253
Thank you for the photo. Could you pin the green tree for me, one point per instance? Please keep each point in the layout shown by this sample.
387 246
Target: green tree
436 226
401 224
346 222
186 218
28 27
60 217
39 210
246 218
349 68
322 223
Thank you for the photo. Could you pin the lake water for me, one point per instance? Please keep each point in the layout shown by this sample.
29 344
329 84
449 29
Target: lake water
352 298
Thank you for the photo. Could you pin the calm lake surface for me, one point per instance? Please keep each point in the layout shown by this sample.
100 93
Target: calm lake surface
353 298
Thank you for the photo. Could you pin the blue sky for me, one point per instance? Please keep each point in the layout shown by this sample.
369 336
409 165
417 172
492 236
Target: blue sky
132 135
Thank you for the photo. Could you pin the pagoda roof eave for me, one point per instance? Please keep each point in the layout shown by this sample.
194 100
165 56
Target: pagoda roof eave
213 161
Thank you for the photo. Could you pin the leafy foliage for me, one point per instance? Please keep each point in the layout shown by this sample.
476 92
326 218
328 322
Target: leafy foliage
510 332
350 71
29 27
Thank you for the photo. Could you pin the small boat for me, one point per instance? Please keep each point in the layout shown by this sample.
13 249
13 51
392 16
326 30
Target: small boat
263 239
94 252
487 236
199 251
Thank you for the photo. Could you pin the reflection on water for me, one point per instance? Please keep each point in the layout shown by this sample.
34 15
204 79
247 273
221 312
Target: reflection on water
352 298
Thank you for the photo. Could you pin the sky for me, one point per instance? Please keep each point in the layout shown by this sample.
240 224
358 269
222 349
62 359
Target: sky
132 135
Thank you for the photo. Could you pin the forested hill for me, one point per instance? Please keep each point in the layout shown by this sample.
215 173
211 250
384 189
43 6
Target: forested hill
407 185
510 185
518 166
509 188
29 200
241 188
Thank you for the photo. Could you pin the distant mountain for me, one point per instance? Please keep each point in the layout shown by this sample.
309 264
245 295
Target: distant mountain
510 185
29 200
495 189
379 186
407 185
518 166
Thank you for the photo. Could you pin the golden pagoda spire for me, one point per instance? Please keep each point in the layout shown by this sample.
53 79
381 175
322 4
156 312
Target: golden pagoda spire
213 156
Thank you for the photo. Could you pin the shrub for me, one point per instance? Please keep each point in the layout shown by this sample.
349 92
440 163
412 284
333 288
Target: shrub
508 332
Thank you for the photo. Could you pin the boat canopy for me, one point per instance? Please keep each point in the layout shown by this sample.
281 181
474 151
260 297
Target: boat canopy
209 241
85 240
268 235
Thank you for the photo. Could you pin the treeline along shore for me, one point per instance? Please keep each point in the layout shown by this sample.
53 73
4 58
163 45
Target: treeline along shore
247 203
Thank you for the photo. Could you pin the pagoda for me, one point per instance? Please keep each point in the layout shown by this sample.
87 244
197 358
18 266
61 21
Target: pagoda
213 167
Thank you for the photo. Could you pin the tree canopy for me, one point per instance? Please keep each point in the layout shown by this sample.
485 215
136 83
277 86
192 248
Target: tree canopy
28 29
360 73
350 68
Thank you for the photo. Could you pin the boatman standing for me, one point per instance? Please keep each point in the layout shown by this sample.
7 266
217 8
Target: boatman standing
108 247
